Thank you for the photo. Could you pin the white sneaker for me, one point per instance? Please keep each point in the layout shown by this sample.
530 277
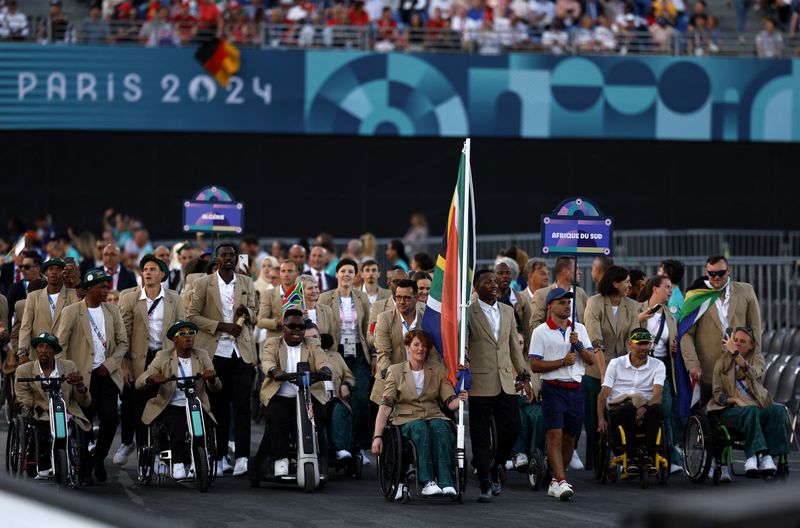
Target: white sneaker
576 464
364 458
220 468
726 474
226 466
675 468
767 465
343 454
178 471
241 467
552 490
44 474
399 495
450 491
509 465
122 454
282 467
751 465
564 492
520 460
430 489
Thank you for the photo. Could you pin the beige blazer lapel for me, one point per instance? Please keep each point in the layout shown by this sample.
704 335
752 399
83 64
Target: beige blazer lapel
608 311
733 304
408 379
86 326
213 286
483 322
397 328
60 303
714 314
426 383
141 307
283 356
239 293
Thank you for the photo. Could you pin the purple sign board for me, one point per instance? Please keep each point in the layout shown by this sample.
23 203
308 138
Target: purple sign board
577 227
213 210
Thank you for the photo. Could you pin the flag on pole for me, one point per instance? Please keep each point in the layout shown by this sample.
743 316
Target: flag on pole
452 277
695 304
294 298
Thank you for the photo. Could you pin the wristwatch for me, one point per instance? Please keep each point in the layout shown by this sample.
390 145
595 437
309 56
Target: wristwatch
22 352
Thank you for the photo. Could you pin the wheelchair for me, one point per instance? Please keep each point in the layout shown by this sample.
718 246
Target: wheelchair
397 466
709 438
22 447
537 470
618 460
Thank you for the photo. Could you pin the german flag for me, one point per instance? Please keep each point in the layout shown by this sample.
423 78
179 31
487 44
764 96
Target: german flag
220 59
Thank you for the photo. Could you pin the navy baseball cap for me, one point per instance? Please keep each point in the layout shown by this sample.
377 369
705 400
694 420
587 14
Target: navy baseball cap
558 293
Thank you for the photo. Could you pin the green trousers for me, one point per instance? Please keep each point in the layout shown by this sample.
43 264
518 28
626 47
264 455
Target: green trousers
341 428
531 433
363 426
591 390
434 440
764 430
675 425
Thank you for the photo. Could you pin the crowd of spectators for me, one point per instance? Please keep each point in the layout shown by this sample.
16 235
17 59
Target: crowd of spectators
485 26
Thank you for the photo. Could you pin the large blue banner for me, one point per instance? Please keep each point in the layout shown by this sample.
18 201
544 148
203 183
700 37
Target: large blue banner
367 93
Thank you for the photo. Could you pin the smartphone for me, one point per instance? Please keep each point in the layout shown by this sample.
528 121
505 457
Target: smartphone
728 331
244 263
654 309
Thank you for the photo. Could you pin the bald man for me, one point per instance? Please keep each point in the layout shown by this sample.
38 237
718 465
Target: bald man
297 253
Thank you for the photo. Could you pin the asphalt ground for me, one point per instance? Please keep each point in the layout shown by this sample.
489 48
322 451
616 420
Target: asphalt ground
344 502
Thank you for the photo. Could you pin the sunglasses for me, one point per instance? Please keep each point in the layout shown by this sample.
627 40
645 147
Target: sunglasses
185 333
404 298
718 274
28 266
296 326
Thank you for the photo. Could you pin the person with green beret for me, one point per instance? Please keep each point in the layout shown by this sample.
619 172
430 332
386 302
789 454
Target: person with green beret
168 405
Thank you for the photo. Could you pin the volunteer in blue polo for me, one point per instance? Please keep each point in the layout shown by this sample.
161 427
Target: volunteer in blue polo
561 357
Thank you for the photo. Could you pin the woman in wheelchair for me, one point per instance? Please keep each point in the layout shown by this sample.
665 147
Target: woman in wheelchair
35 403
746 406
168 405
411 398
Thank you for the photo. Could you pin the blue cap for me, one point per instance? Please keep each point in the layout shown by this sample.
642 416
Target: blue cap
558 293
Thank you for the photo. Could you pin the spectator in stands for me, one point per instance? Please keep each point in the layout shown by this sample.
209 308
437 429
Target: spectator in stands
387 36
56 29
140 245
742 9
583 38
357 16
370 245
93 29
555 39
185 23
126 31
209 22
422 262
149 11
661 34
541 13
698 38
443 6
568 10
699 10
769 41
594 8
13 24
414 239
715 35
603 34
158 32
665 9
396 255
408 7
415 33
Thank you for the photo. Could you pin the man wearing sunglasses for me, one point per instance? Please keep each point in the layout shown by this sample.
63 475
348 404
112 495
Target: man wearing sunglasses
390 331
281 355
31 270
180 359
736 306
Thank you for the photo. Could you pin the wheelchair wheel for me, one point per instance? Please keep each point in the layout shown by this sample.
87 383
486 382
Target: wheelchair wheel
357 467
74 443
12 450
390 462
201 468
697 451
602 466
644 476
536 470
61 467
146 457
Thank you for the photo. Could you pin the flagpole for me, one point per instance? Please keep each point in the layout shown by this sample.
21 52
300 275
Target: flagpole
463 294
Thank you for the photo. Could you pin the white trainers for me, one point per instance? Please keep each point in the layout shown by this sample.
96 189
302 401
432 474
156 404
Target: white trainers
675 468
178 471
576 464
122 454
430 489
44 474
564 492
241 467
226 466
751 465
552 490
364 458
726 474
520 460
282 467
343 454
509 465
767 465
400 489
449 491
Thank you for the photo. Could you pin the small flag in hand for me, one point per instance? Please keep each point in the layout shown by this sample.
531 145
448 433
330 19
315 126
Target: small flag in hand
294 298
220 59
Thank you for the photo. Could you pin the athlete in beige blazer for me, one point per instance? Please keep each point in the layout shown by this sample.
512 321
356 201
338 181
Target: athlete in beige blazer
40 315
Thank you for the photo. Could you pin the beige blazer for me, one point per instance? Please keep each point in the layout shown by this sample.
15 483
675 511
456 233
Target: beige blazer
331 299
524 309
613 331
377 308
492 362
19 310
36 317
400 392
724 381
671 331
188 287
701 346
539 305
166 364
340 373
30 393
134 315
75 333
391 349
270 309
325 320
276 355
205 310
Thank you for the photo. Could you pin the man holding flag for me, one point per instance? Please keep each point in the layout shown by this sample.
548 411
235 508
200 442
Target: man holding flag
706 314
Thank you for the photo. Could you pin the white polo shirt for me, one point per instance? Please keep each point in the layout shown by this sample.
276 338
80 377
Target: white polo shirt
550 343
625 379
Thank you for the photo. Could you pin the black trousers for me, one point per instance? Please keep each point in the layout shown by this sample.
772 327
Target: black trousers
132 408
281 425
104 407
174 419
43 432
505 409
237 380
625 415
